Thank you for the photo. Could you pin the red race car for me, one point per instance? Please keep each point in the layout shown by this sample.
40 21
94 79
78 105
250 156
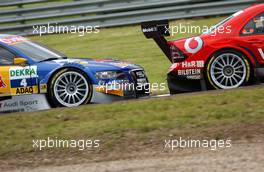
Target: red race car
228 55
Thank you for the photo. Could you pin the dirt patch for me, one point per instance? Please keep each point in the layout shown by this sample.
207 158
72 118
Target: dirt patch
147 148
241 157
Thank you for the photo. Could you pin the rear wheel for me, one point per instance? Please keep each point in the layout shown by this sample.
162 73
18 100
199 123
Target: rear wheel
228 69
70 88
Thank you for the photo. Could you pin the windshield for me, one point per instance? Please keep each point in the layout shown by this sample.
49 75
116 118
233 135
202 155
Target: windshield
223 22
37 51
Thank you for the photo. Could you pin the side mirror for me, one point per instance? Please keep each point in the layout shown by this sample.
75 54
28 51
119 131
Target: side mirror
20 61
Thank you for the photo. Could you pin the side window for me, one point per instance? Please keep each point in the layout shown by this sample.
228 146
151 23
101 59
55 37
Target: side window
6 57
254 26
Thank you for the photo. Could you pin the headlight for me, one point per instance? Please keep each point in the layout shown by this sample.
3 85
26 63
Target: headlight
115 75
106 75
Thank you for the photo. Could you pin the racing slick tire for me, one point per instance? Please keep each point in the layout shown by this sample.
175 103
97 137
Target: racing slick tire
69 88
228 69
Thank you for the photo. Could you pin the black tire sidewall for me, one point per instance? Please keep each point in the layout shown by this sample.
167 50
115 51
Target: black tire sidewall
51 96
213 57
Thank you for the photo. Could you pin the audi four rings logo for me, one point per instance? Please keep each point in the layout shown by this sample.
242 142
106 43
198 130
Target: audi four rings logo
193 45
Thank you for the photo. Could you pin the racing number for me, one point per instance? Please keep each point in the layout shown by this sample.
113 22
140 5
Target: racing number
23 83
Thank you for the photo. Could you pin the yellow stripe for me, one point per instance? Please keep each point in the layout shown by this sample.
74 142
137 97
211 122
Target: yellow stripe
24 90
5 78
112 92
208 73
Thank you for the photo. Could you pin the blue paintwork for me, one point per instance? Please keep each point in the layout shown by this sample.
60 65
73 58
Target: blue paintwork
45 70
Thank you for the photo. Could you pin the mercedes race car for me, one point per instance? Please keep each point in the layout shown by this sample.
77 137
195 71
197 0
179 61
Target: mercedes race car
228 55
28 68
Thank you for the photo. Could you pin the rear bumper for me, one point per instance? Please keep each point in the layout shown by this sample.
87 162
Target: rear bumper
181 84
259 72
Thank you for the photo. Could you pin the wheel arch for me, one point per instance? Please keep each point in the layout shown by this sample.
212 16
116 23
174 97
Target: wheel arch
251 59
65 67
53 74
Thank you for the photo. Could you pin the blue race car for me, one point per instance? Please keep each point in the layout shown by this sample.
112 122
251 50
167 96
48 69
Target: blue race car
28 68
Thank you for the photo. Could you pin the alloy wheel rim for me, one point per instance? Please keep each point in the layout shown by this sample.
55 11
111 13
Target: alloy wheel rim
228 71
71 89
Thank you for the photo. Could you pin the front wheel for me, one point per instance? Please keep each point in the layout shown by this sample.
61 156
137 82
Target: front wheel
228 69
70 88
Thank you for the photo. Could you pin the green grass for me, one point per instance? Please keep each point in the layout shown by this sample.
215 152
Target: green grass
180 113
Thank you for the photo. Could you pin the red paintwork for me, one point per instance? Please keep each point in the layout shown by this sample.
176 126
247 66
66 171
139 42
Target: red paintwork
2 84
233 40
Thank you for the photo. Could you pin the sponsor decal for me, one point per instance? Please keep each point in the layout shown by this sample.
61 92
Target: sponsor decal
24 90
121 64
190 70
190 64
15 104
151 29
114 62
193 45
43 88
187 65
2 83
187 72
67 61
11 40
194 77
64 61
24 103
261 53
23 72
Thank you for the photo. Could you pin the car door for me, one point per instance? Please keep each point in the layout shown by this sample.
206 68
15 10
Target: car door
16 79
6 61
253 36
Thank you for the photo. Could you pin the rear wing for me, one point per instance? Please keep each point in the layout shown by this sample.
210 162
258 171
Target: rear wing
157 30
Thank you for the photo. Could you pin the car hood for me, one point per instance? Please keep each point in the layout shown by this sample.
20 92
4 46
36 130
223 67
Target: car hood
97 65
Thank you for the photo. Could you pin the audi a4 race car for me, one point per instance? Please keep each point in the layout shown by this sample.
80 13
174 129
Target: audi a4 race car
230 54
27 67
